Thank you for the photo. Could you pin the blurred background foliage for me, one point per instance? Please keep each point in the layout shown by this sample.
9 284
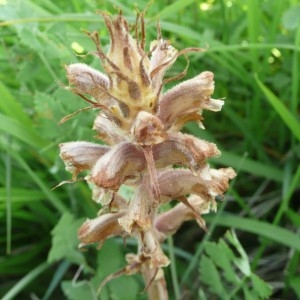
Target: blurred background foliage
253 48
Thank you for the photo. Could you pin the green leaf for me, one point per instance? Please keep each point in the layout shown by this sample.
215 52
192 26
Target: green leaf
213 277
29 38
202 295
294 217
248 294
210 275
79 290
262 289
295 284
241 262
65 241
222 256
110 260
287 117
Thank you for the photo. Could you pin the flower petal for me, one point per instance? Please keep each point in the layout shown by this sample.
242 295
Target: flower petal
79 156
100 228
108 131
220 180
181 182
147 129
184 149
124 161
163 56
88 81
170 221
188 97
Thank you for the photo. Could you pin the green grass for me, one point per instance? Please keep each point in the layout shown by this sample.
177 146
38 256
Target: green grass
253 48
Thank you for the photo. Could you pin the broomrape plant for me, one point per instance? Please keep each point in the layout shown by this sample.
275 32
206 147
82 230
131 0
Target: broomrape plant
145 149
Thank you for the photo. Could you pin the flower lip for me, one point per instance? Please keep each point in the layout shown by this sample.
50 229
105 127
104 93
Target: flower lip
187 98
147 129
100 228
123 161
79 156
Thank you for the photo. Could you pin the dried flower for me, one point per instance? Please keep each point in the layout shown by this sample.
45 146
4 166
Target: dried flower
140 125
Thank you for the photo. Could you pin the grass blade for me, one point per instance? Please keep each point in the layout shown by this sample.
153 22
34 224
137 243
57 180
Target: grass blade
25 281
11 107
60 272
272 232
287 117
250 166
18 130
174 8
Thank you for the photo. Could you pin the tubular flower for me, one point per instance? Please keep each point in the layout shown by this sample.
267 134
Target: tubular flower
140 125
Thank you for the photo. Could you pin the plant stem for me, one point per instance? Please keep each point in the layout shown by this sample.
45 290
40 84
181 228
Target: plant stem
156 286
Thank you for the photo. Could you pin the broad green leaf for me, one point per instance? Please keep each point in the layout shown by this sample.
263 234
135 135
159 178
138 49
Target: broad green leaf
111 259
65 241
79 290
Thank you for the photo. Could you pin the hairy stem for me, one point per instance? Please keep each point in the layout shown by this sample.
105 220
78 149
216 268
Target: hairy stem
156 286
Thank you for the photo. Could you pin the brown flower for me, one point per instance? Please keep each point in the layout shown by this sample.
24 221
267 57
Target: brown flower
145 150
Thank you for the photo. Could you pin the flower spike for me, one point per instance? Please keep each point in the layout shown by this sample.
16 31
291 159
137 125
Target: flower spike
145 150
